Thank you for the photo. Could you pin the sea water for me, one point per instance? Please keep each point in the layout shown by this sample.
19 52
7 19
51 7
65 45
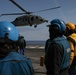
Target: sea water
35 44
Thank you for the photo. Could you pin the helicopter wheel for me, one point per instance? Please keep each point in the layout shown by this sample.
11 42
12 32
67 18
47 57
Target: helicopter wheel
35 26
30 24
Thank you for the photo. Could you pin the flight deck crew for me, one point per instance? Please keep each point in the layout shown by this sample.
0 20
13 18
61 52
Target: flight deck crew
71 36
11 62
22 44
57 56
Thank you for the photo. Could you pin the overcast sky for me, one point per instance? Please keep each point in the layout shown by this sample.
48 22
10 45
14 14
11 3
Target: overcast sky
67 12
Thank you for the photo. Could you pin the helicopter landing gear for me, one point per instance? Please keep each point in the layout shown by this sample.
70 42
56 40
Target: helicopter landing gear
35 26
30 24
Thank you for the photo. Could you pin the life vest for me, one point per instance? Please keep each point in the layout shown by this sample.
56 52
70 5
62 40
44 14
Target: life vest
66 55
72 41
16 64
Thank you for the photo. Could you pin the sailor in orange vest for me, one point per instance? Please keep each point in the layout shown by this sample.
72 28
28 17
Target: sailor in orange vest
71 36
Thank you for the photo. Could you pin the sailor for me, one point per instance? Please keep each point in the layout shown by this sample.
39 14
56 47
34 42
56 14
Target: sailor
57 56
71 37
11 62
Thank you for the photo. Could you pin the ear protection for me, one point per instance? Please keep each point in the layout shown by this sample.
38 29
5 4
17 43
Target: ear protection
56 26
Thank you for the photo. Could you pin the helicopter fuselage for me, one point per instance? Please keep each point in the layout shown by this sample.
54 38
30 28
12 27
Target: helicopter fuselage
28 20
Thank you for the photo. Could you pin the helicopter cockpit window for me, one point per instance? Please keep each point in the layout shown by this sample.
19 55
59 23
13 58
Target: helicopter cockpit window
17 19
41 18
37 17
32 18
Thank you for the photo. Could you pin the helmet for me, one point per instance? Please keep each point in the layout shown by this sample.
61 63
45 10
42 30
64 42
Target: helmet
70 26
60 25
10 29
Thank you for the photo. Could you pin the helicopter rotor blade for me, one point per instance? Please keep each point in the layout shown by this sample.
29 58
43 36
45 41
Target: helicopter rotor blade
47 9
12 14
25 12
19 6
30 12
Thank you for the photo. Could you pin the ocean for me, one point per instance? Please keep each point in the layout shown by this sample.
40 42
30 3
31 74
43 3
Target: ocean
35 44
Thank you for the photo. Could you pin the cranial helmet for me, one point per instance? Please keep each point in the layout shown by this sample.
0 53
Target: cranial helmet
10 29
59 24
70 26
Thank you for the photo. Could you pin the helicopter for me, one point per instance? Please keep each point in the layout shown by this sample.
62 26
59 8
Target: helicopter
27 18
